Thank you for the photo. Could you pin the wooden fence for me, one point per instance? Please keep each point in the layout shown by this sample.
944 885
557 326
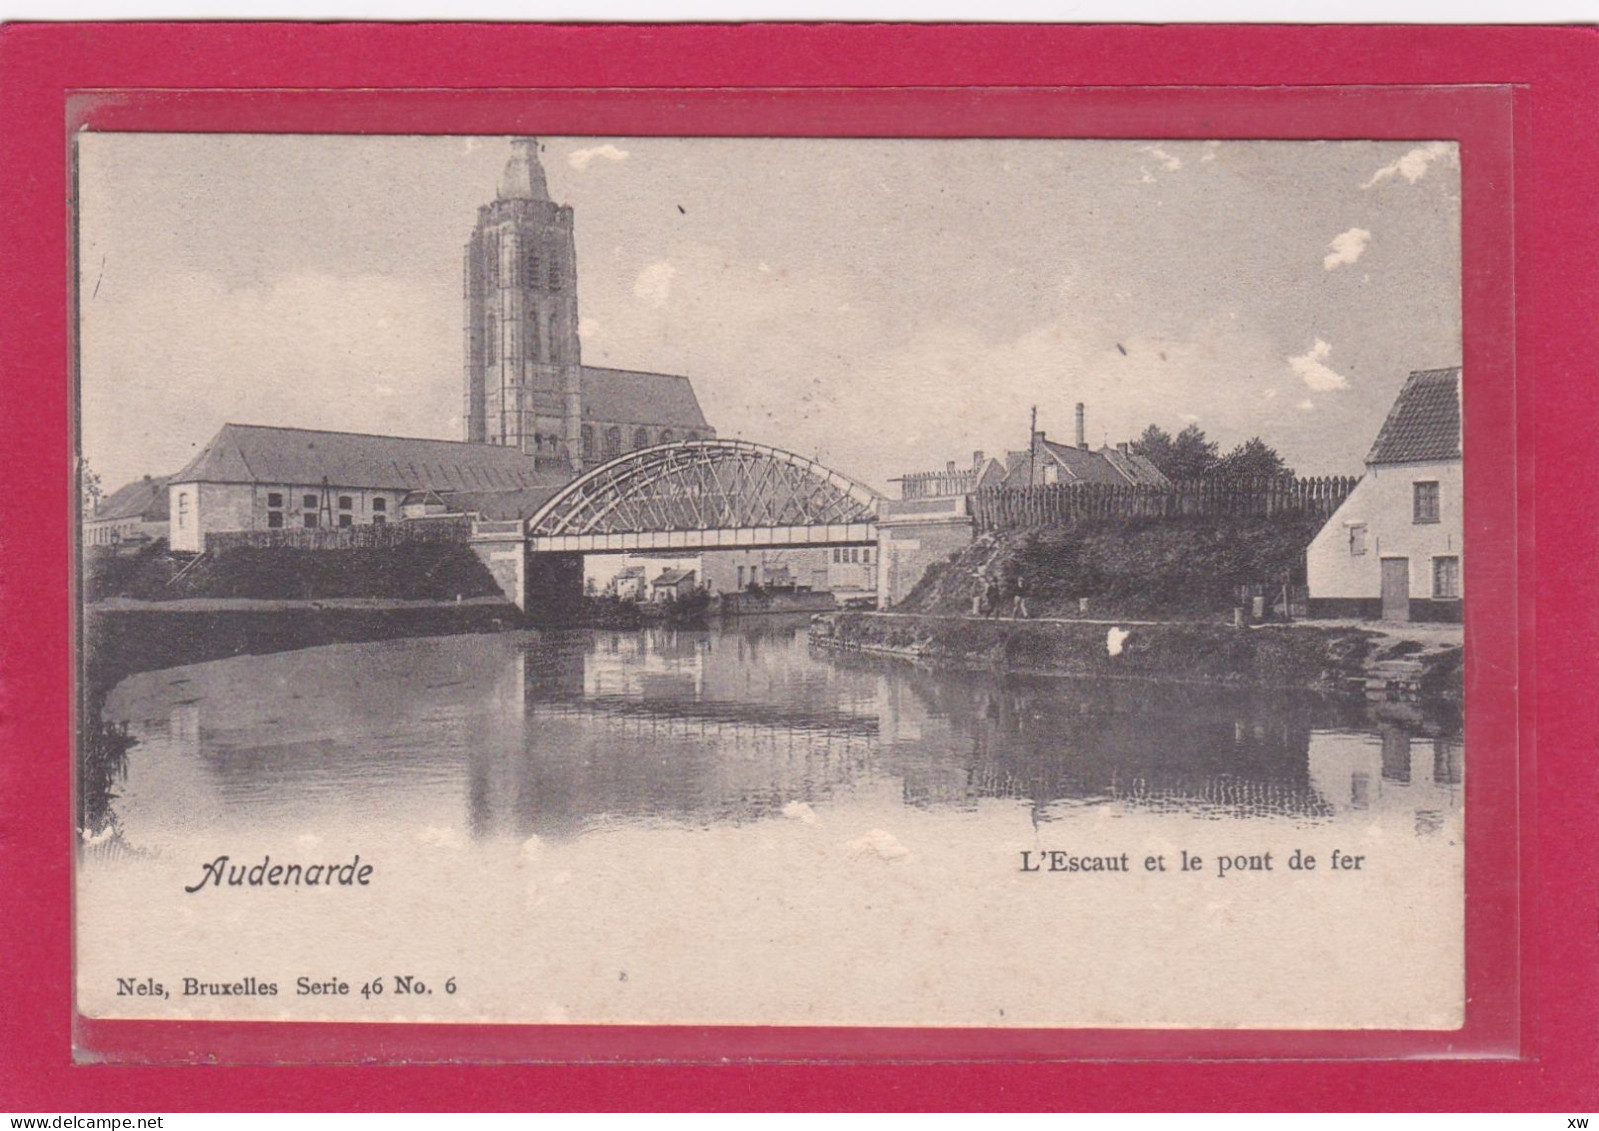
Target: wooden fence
1063 504
454 528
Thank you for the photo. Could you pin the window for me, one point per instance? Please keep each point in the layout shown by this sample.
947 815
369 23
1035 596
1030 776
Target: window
837 555
274 499
345 502
1426 502
1446 578
530 268
310 520
183 509
554 274
380 504
692 436
641 438
379 519
491 342
309 502
866 555
666 436
274 520
346 520
1357 539
613 441
588 441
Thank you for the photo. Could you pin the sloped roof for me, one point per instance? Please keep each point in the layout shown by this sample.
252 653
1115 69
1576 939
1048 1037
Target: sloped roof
625 396
144 499
252 453
674 577
1085 467
1137 469
1424 423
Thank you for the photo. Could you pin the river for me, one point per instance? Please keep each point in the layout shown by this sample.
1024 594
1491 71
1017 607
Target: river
727 825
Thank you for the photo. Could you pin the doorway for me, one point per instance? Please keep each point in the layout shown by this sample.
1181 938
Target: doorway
1396 589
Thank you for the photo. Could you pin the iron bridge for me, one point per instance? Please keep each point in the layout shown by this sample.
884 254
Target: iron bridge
705 495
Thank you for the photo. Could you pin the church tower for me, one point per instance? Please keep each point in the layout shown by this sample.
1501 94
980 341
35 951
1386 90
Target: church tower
523 370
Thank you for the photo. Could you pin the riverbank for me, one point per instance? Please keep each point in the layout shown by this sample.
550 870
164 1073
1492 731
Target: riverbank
1341 659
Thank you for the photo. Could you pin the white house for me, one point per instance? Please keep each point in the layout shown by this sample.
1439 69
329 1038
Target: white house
251 477
1393 549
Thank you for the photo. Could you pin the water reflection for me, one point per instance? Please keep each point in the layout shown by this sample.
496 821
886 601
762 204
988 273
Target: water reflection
519 735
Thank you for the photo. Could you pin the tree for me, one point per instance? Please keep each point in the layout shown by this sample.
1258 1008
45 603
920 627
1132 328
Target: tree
89 486
1253 459
1189 456
1192 456
1154 444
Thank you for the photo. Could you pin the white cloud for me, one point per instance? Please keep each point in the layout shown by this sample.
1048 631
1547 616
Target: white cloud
1414 165
1346 247
654 283
581 159
1317 376
1168 161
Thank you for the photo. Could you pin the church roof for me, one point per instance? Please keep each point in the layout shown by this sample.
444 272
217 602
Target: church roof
253 453
144 499
626 396
1424 423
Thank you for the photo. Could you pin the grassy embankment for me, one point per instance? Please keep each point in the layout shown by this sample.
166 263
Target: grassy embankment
1186 575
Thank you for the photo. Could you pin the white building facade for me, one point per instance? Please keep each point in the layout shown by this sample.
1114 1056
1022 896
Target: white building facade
1393 550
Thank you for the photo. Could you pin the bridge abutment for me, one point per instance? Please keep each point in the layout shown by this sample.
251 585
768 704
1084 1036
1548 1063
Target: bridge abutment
914 534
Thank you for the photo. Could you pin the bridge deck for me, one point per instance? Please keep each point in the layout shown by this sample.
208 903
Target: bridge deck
735 538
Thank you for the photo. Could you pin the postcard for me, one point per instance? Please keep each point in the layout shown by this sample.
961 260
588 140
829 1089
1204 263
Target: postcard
997 583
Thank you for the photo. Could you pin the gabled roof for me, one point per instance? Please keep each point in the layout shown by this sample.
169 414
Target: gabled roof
626 396
252 453
1136 469
144 499
1424 423
1082 466
674 577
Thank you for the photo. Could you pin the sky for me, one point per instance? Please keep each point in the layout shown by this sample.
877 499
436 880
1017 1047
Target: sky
882 305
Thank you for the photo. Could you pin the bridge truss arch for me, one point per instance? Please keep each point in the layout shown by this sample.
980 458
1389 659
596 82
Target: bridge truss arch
703 495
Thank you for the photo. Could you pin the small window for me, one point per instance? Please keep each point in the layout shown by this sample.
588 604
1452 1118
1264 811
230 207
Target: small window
380 504
641 438
345 502
346 520
491 342
1426 496
274 520
183 509
613 441
309 502
274 499
310 520
1446 578
837 555
1357 539
588 442
666 436
866 555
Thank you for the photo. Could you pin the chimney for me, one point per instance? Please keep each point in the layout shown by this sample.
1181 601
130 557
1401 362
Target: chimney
977 459
949 468
1122 447
1082 438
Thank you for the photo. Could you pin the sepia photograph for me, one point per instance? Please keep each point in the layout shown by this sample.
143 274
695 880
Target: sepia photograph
769 581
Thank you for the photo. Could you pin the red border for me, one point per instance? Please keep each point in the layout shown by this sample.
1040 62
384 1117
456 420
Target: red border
1550 277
